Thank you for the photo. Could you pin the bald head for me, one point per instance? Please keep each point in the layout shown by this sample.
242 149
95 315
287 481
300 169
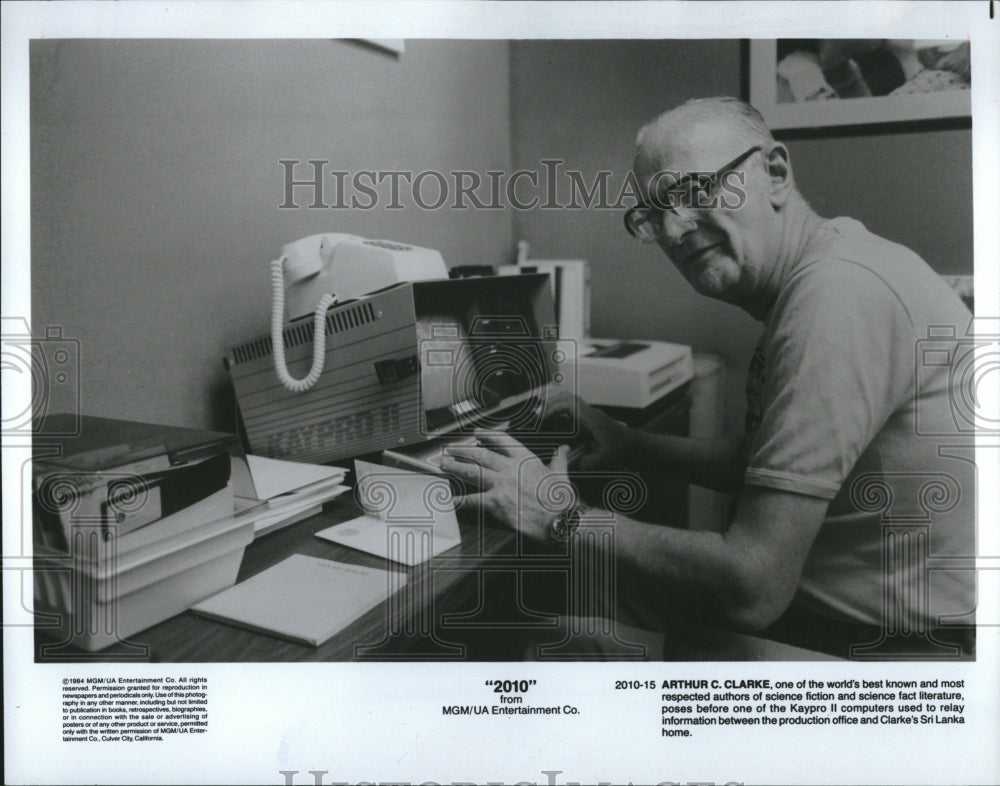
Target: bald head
699 129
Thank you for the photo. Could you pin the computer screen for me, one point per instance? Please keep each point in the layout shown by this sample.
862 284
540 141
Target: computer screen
482 351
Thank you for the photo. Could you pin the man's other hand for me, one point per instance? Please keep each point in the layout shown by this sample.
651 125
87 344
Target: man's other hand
516 487
605 440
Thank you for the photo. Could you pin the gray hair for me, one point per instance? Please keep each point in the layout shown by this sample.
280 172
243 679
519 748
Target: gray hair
745 121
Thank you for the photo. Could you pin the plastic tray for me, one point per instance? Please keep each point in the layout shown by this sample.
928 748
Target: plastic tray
108 600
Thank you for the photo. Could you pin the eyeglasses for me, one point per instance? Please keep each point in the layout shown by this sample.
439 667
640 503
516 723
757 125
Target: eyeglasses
683 198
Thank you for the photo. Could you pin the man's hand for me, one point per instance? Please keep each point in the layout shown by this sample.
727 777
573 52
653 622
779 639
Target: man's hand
715 463
606 438
515 486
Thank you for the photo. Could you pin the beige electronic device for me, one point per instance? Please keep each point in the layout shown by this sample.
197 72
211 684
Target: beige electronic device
632 374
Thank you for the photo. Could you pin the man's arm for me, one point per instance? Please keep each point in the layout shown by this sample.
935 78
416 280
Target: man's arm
713 463
716 464
743 578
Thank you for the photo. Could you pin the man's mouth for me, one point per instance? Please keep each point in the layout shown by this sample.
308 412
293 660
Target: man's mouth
699 254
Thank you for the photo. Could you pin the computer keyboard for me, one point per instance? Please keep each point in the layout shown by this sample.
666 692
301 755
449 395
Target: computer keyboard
436 453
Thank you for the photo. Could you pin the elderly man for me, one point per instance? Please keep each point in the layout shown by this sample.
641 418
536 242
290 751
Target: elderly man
832 457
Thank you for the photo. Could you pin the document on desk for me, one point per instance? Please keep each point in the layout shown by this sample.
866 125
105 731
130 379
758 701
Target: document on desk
409 517
305 599
274 477
293 491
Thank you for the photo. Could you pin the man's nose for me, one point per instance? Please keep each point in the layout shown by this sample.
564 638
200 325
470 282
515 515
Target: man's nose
676 227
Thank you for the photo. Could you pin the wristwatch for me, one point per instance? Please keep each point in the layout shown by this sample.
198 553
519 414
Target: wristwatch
564 525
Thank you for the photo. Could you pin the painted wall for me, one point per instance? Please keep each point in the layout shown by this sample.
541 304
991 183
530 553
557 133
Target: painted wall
914 187
583 101
156 185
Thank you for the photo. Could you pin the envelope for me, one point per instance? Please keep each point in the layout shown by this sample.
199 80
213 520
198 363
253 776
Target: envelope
409 517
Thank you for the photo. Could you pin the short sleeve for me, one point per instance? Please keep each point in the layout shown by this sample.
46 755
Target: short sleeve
835 362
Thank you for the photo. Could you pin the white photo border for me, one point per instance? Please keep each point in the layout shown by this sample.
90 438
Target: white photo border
372 722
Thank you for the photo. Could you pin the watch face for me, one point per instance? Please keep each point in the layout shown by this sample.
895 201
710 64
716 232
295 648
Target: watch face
557 529
564 525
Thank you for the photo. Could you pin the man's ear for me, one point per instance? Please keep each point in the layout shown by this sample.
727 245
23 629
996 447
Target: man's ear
778 166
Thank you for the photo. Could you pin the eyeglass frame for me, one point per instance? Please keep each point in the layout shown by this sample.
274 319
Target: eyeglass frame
714 178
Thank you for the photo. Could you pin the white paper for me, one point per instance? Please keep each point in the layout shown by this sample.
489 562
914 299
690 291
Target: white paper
412 516
302 598
272 477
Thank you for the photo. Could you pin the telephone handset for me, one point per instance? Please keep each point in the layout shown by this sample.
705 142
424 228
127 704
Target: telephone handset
302 270
315 272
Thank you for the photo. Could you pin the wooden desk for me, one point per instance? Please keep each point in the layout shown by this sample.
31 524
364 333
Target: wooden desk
465 604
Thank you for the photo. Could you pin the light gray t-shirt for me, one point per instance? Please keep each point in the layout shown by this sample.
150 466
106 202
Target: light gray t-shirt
850 399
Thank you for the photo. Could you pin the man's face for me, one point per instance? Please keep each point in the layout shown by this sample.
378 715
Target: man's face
723 252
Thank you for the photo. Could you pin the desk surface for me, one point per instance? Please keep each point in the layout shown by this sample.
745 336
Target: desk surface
438 615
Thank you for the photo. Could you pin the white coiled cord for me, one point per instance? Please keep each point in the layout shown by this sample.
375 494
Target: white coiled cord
277 329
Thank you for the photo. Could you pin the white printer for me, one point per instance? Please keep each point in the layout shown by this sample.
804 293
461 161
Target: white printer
631 374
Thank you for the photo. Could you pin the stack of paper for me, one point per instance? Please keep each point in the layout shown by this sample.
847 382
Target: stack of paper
292 490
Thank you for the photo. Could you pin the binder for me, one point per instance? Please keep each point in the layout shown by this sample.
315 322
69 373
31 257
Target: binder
123 475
